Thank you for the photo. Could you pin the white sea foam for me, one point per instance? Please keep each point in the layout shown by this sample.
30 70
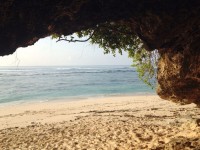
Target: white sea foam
48 83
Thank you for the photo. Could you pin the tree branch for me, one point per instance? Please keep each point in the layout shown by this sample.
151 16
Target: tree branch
71 40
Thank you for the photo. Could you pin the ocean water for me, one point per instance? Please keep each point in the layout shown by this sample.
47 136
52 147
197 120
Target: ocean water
25 84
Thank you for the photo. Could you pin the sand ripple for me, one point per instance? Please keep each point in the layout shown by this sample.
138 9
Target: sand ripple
114 129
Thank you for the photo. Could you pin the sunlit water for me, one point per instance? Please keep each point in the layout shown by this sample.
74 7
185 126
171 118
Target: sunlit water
25 84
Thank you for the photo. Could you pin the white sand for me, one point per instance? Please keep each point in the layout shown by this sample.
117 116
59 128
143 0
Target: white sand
125 122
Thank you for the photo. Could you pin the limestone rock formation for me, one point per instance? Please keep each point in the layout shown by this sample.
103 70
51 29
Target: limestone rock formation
172 27
179 76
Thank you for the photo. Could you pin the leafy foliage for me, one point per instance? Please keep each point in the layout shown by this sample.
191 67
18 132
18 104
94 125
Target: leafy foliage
145 63
118 37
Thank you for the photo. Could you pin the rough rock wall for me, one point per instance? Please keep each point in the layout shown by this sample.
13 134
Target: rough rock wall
172 27
179 76
24 22
176 35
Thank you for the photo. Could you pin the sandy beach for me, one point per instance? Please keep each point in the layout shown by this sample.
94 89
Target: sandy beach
110 123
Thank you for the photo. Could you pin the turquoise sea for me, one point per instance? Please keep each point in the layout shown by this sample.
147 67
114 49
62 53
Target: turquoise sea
27 84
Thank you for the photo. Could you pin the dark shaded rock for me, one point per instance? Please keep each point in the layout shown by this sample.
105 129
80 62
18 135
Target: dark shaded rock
172 27
24 22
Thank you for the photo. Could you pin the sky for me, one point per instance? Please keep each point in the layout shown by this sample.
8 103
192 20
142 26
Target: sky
48 52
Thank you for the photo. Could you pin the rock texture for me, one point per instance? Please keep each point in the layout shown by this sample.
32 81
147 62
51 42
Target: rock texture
172 27
179 76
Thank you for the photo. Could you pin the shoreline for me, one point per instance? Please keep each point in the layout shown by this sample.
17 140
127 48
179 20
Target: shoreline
36 109
123 122
74 98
